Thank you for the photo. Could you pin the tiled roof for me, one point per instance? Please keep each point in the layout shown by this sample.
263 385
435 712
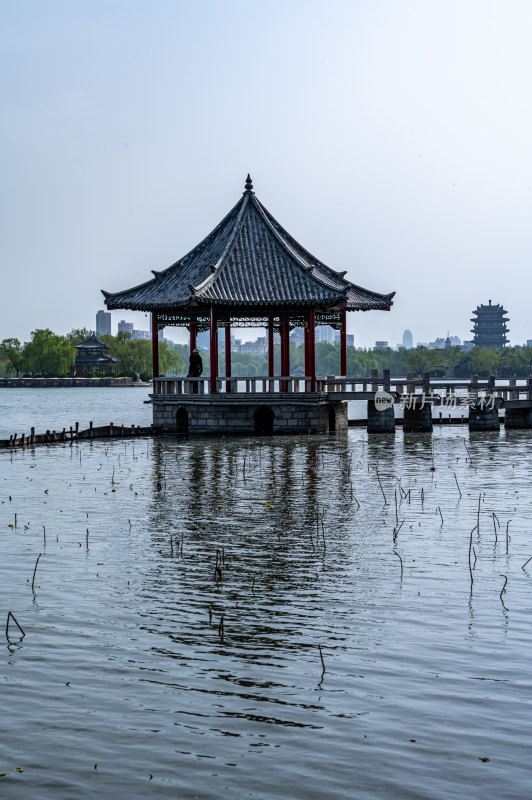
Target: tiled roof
248 261
91 343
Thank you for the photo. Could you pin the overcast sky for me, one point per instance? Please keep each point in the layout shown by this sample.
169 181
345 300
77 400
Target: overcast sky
392 139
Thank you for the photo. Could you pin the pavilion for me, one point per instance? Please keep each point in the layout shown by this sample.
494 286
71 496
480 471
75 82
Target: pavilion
92 356
249 272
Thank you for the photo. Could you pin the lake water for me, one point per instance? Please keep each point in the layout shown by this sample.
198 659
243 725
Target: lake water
123 686
57 408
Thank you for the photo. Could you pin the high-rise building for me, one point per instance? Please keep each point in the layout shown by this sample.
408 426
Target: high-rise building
103 323
324 333
408 339
381 345
127 327
490 327
298 336
136 334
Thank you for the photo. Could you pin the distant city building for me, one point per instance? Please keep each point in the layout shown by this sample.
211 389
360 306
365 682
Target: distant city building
349 339
324 333
103 323
529 342
454 341
257 348
126 327
467 346
298 336
135 334
408 339
489 326
162 338
438 344
381 345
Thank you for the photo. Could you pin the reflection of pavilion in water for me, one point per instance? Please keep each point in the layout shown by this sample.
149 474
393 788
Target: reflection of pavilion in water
275 506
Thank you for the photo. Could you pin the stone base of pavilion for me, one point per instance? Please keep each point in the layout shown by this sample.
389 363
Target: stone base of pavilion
213 415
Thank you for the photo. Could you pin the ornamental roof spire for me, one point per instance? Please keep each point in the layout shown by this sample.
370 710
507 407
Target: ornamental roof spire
249 183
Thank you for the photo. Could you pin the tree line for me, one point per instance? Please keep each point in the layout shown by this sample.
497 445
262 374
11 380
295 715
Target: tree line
451 361
49 354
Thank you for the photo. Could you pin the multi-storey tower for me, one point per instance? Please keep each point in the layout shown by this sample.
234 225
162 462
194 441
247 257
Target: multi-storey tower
490 326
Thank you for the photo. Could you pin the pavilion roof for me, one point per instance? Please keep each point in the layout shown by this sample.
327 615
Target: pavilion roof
249 260
91 343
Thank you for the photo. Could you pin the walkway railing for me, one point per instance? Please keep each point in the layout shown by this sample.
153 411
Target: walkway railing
175 387
352 388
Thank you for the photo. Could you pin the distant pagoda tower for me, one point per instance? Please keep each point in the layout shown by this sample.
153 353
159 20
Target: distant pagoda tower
490 327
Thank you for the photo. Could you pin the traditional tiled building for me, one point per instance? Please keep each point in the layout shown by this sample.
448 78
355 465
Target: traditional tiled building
91 356
250 272
490 326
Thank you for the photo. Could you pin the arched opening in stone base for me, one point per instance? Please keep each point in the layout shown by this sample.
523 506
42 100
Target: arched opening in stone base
263 419
181 421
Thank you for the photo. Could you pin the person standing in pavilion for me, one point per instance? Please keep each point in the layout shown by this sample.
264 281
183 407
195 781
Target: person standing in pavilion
195 367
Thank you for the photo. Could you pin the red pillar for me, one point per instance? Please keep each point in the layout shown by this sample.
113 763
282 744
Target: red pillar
154 346
285 351
271 348
312 349
214 350
228 356
343 344
307 356
193 336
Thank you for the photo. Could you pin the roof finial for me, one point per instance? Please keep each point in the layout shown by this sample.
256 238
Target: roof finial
249 184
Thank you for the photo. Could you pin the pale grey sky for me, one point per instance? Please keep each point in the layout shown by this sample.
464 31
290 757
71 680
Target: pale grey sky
391 138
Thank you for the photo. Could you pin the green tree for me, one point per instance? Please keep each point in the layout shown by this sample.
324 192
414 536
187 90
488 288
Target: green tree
421 359
134 356
484 361
48 354
13 352
78 335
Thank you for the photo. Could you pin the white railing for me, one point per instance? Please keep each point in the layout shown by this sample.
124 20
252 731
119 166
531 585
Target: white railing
279 384
176 387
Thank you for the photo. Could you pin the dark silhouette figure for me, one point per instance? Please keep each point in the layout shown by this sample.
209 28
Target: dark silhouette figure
195 368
